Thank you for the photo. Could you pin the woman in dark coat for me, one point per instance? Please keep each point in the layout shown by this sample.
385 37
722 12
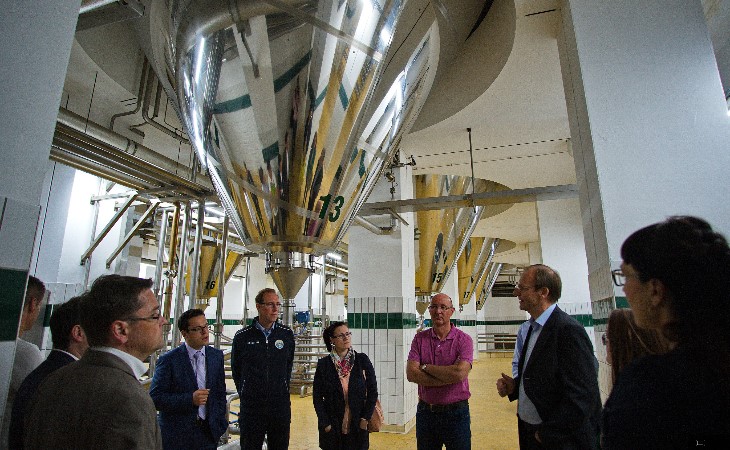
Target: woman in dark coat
345 391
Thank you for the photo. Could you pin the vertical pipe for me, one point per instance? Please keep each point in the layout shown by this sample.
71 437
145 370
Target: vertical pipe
309 301
245 292
170 273
160 255
87 261
180 297
323 294
221 286
194 275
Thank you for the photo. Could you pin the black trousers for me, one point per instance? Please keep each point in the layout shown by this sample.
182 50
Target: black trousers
526 434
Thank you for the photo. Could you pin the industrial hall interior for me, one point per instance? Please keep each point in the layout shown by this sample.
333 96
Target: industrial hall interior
358 157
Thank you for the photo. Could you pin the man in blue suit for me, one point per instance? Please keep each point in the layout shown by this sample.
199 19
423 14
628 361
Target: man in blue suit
189 389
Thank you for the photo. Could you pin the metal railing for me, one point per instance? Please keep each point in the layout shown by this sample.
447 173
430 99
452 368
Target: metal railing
496 342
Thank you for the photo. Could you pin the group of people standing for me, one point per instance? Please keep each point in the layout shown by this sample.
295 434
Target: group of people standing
670 353
670 357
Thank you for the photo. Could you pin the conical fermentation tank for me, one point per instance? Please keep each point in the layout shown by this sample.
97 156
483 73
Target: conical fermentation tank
484 287
473 266
443 233
286 107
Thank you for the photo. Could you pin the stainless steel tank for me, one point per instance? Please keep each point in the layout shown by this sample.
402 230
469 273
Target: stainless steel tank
486 284
473 265
442 234
289 106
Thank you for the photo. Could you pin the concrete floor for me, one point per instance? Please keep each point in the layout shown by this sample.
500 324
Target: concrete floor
493 419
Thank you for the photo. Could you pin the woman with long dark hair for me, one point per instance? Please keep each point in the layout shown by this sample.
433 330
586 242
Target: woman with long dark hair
625 342
676 277
345 391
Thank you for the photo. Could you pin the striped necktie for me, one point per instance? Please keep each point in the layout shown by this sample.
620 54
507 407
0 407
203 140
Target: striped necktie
200 377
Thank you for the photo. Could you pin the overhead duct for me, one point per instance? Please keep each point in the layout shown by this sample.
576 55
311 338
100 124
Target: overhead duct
276 100
442 234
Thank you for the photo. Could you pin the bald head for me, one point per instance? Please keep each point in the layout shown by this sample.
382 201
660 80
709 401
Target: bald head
440 298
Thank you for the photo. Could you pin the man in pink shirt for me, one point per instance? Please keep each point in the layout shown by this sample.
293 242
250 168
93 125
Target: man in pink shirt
439 362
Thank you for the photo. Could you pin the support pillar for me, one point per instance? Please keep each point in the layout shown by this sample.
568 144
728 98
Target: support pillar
382 303
647 112
37 38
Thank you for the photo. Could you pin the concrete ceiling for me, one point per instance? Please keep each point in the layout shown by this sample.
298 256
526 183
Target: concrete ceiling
504 84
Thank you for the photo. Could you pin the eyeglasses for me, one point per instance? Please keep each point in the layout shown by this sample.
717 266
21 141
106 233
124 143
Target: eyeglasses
200 329
271 305
619 279
342 336
153 318
520 287
439 307
604 338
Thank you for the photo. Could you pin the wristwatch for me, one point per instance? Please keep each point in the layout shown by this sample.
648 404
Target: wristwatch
423 367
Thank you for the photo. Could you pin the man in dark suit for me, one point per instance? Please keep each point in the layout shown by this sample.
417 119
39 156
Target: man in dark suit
69 344
557 382
98 402
189 389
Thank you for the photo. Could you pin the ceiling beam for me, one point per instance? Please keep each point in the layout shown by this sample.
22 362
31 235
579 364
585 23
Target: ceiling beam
478 199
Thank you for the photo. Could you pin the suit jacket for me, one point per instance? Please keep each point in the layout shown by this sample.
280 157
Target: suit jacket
55 361
561 379
94 403
172 391
329 399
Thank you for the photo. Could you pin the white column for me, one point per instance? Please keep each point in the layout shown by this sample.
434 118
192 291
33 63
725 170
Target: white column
381 305
648 121
37 37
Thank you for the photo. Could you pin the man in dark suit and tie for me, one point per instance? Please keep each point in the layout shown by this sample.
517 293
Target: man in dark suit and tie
69 344
98 401
557 382
189 389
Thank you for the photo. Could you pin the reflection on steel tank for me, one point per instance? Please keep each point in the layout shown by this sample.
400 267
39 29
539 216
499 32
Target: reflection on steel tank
473 266
293 107
442 234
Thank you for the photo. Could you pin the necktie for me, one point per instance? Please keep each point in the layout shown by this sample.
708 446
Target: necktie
200 377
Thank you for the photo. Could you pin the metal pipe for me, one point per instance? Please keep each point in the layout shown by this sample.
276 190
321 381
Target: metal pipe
96 169
160 255
375 228
87 146
170 274
193 292
221 286
95 243
323 294
245 292
87 262
310 298
146 104
131 233
180 297
90 5
122 144
140 93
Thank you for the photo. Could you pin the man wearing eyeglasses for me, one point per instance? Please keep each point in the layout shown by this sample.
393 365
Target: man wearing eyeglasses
557 380
98 401
262 357
439 362
189 389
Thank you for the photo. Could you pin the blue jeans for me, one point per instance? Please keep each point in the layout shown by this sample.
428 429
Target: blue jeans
450 428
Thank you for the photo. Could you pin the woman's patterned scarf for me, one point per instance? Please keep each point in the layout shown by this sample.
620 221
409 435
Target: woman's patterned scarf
345 363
